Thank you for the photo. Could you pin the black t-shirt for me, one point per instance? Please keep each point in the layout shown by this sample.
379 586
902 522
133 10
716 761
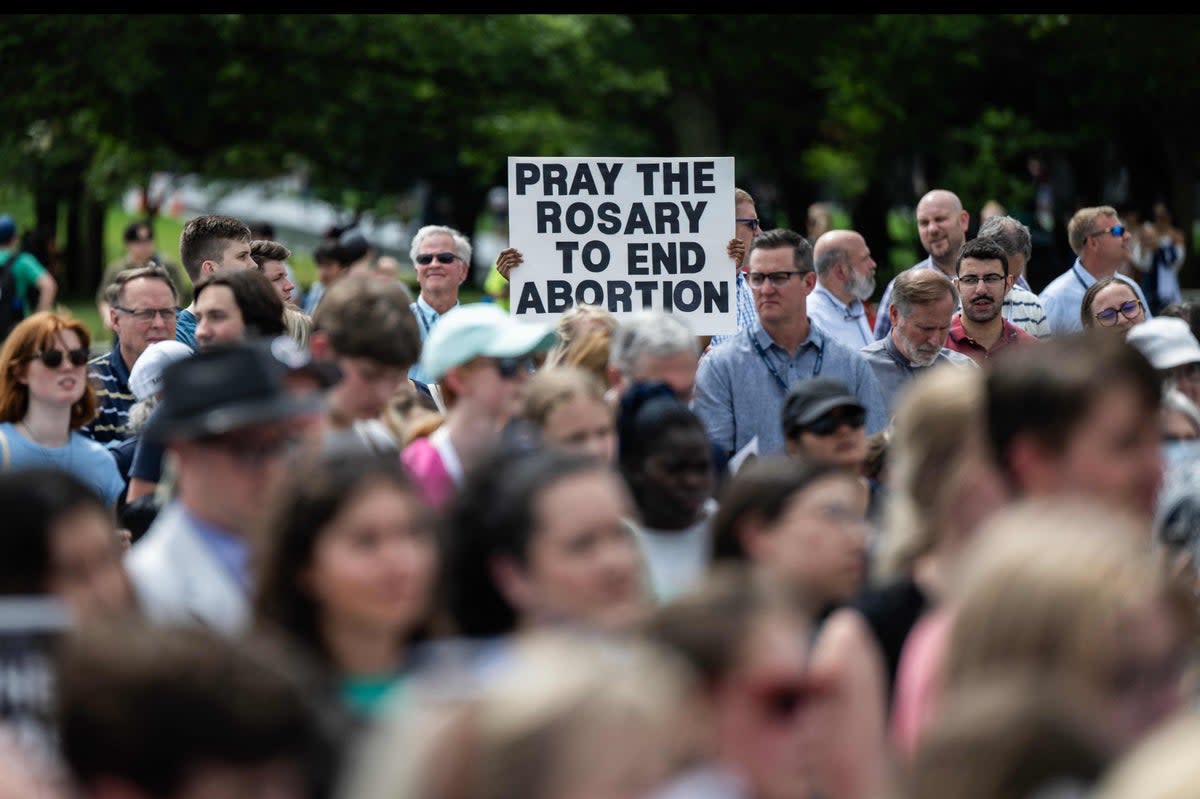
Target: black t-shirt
892 611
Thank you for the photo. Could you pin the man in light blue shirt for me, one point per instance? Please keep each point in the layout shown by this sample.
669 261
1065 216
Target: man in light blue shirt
741 385
942 228
1101 244
924 304
845 278
442 258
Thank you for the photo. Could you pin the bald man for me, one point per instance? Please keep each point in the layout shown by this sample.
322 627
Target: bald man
942 227
845 279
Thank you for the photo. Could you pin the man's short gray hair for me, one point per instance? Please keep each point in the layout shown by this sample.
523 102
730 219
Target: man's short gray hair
654 333
1010 233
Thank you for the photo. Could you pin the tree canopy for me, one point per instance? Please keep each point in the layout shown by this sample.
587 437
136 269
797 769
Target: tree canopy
867 110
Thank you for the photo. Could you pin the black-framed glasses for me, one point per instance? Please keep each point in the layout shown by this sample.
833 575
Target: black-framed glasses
828 423
511 367
52 359
778 279
971 281
1130 310
1116 231
425 258
148 314
750 222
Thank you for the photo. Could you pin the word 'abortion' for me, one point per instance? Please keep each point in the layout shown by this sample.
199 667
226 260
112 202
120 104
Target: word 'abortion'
625 296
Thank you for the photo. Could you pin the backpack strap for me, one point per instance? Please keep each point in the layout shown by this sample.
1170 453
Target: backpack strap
4 455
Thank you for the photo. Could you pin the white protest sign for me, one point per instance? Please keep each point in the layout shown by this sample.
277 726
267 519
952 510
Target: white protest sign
627 234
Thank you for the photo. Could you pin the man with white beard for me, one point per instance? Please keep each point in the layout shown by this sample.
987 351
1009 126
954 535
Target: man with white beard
845 279
923 303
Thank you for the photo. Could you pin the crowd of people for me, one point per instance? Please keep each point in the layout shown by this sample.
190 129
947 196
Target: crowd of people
379 543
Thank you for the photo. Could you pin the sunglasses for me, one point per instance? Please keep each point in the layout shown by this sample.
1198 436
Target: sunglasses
52 359
827 424
749 222
425 258
1116 231
511 367
1130 310
778 279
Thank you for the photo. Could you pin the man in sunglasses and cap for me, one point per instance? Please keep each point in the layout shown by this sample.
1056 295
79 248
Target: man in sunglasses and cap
1102 245
824 421
229 419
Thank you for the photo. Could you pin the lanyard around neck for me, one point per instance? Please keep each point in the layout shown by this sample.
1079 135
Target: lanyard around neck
771 367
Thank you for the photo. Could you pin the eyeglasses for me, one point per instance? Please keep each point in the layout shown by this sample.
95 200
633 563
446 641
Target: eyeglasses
148 314
1130 310
425 258
141 241
827 424
971 281
511 367
1116 231
52 359
749 222
778 279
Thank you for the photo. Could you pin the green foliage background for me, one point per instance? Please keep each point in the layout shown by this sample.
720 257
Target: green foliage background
412 116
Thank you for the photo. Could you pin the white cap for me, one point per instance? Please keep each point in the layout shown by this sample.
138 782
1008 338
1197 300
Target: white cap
145 378
1166 341
468 331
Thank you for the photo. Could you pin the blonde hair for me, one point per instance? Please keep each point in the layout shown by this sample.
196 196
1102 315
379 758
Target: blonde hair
1048 584
584 334
1083 221
537 725
937 419
297 324
551 386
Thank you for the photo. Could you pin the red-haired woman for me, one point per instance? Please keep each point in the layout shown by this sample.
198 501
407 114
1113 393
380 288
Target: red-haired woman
45 397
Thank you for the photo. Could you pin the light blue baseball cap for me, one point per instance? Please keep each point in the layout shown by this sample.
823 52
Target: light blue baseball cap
480 329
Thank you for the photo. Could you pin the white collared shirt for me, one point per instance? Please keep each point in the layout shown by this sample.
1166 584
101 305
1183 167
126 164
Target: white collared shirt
845 324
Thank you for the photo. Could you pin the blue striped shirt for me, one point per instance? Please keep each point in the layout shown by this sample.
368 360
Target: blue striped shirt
110 378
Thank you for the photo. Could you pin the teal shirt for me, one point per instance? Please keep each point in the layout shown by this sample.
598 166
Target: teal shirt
27 269
366 696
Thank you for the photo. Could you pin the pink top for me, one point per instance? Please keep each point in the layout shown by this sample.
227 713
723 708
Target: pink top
425 465
918 680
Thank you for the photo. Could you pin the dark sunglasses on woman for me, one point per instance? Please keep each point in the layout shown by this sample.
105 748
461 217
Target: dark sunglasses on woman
52 359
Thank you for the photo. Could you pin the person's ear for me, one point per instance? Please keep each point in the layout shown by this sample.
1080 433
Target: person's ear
810 281
614 376
755 538
512 582
319 346
1031 466
893 314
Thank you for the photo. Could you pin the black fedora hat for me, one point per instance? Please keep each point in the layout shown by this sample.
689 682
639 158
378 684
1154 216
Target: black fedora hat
225 388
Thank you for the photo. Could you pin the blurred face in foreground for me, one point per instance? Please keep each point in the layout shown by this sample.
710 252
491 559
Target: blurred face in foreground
583 565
